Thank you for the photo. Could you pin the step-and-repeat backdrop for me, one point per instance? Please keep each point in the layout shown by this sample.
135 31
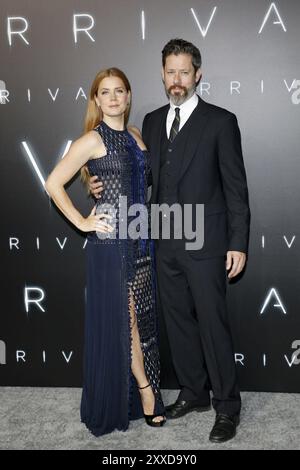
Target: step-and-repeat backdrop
50 53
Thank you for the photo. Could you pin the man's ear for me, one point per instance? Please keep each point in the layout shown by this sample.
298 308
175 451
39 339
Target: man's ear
163 74
198 75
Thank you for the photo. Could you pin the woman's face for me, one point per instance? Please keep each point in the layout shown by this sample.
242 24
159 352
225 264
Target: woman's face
112 96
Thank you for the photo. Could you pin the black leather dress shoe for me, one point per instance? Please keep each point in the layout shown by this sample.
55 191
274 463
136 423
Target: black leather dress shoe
182 407
224 428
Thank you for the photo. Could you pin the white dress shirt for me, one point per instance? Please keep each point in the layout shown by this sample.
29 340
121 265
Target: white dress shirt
186 110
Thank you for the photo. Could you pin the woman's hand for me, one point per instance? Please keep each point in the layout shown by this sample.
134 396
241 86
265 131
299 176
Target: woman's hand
96 222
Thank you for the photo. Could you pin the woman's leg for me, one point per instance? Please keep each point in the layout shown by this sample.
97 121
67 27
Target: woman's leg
137 365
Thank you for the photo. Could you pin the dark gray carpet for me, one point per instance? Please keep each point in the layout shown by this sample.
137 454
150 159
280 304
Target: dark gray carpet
48 418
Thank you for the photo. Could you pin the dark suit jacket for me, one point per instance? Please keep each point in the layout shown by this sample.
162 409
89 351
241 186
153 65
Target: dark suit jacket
212 173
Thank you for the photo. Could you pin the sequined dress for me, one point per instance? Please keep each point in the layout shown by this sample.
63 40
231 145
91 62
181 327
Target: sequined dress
119 269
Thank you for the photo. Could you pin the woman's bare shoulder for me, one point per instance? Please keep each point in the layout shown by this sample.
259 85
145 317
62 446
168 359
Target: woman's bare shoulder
136 134
93 143
134 129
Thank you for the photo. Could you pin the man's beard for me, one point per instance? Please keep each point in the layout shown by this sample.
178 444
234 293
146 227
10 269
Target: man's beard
178 98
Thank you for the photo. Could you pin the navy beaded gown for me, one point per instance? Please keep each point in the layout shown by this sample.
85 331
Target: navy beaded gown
119 269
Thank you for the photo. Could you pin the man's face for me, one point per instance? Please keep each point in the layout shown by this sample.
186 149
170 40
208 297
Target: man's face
179 77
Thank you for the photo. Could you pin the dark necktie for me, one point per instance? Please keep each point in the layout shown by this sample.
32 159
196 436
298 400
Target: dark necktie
175 125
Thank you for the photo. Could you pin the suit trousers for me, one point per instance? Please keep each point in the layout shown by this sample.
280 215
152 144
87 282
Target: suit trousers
193 303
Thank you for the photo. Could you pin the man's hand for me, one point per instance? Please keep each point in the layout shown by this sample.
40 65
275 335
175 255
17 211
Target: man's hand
236 261
95 187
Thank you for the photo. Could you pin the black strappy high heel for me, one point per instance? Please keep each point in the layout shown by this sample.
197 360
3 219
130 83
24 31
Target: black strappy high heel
150 418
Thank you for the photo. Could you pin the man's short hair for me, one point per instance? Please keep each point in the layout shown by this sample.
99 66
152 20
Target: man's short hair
180 46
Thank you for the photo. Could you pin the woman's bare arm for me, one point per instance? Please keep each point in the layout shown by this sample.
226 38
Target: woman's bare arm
79 153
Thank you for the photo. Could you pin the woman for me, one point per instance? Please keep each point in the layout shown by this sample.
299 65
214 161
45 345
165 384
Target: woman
121 364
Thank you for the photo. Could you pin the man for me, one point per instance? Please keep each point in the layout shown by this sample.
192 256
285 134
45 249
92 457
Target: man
196 156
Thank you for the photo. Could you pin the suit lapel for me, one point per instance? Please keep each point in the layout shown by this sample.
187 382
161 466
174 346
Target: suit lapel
159 126
196 123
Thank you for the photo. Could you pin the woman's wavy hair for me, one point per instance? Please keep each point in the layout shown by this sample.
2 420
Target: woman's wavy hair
94 115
